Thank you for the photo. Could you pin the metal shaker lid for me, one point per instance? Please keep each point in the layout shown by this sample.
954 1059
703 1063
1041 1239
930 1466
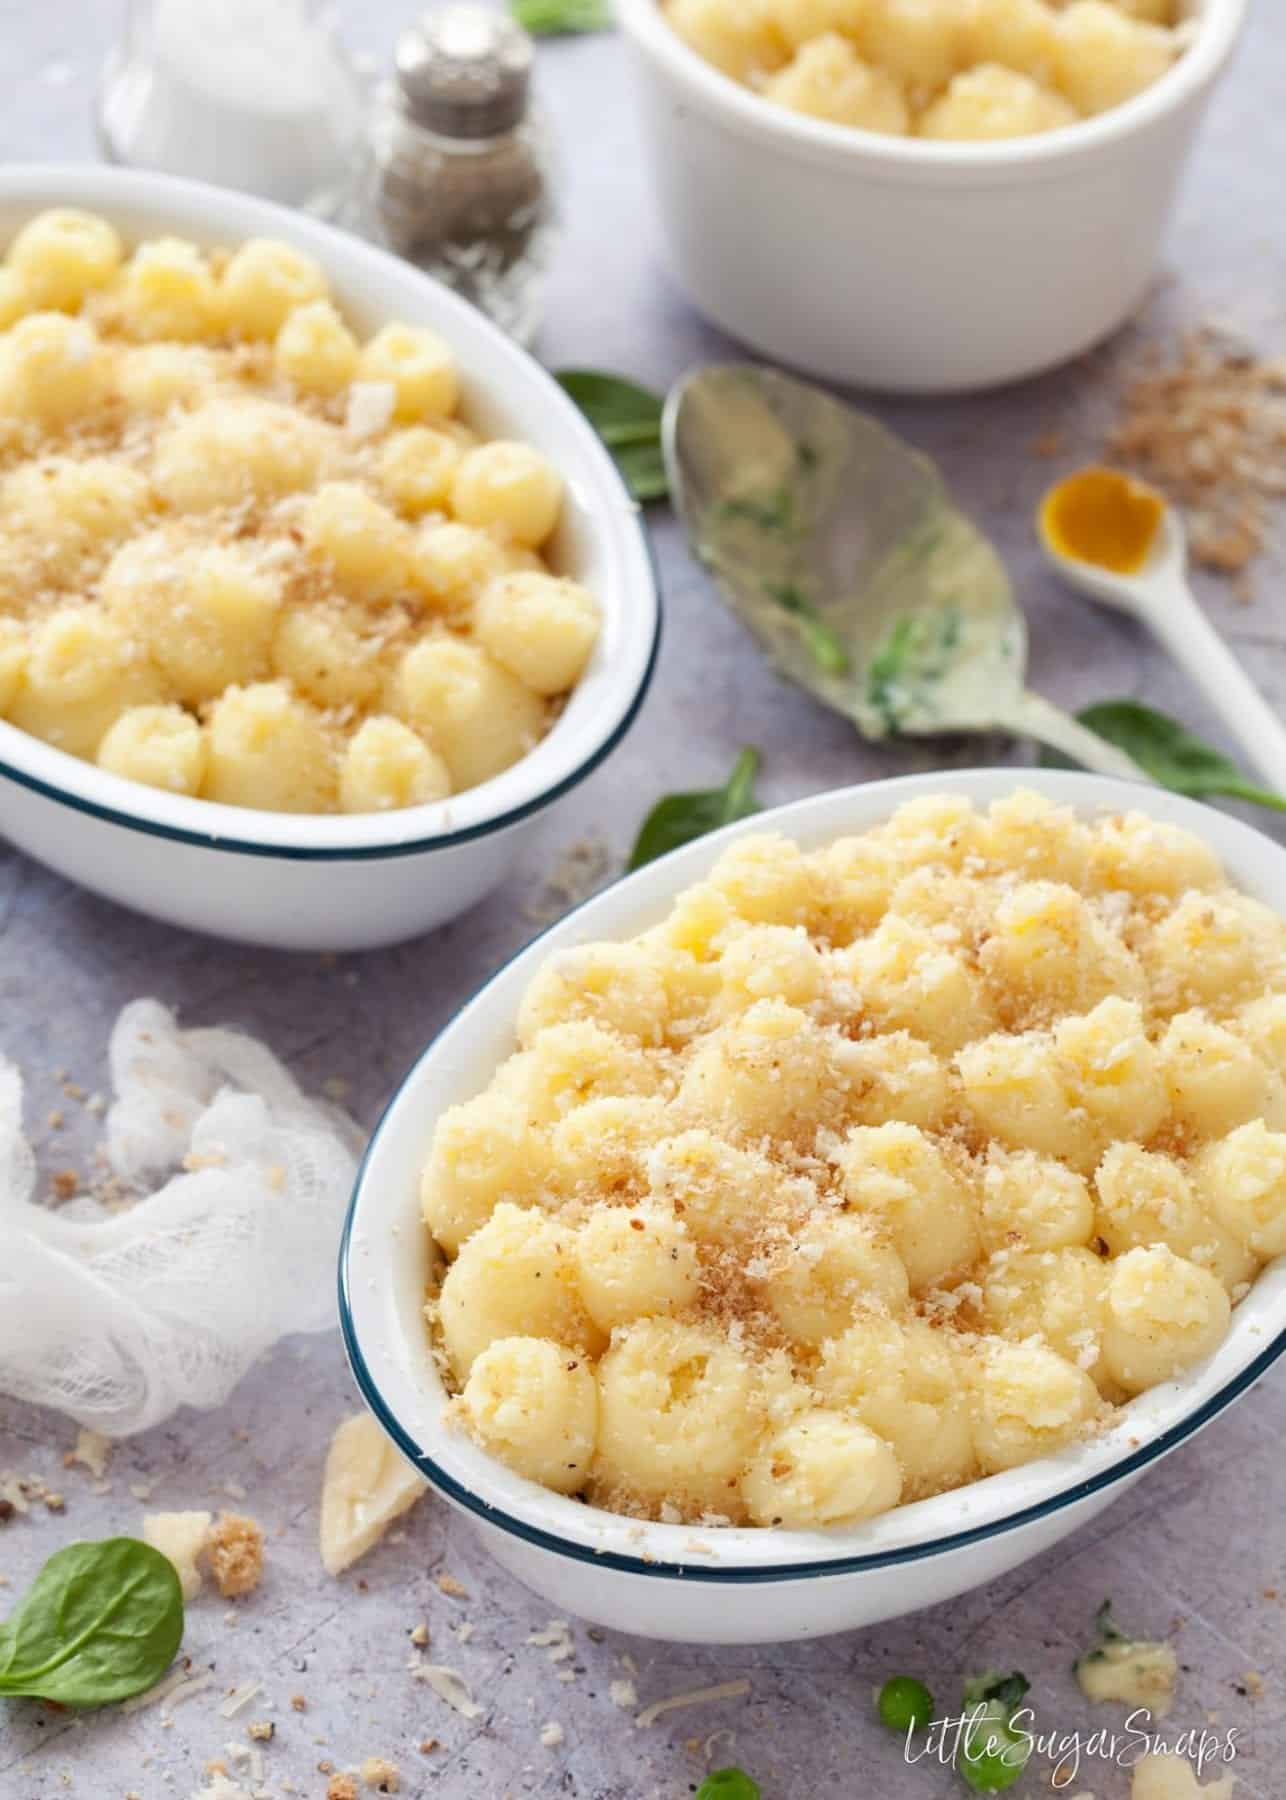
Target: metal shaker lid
464 71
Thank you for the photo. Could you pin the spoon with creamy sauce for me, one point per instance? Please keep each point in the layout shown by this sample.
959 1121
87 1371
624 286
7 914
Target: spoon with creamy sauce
1116 540
839 547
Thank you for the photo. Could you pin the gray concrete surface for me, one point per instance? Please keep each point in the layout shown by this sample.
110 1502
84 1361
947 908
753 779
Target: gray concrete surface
1198 1548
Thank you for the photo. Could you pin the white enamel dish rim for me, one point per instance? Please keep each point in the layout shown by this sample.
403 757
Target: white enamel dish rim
506 389
1218 25
383 1257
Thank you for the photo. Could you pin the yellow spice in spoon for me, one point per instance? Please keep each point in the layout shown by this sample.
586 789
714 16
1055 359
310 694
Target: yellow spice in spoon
1102 517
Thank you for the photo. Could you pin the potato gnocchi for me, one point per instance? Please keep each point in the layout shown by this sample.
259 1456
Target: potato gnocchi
954 69
244 556
869 1170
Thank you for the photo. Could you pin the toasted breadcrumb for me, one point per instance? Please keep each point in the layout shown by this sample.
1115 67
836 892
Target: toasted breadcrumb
341 1787
236 1554
1209 427
379 1773
261 1730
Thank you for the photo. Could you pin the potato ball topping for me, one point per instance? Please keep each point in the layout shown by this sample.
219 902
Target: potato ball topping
955 69
248 558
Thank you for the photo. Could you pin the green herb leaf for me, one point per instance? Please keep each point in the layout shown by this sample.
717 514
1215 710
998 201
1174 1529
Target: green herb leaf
1009 1690
1170 754
825 645
774 512
628 419
904 1704
682 818
100 1622
728 1784
1106 1626
556 18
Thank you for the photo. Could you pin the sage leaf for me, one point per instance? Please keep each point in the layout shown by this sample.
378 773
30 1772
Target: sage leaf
683 818
100 1622
558 18
628 419
1170 754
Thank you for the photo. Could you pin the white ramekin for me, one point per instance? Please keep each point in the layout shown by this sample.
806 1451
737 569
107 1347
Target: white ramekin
904 264
338 883
750 1586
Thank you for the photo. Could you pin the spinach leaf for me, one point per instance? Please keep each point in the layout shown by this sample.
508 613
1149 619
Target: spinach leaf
555 18
728 1784
1170 754
682 818
100 1622
628 419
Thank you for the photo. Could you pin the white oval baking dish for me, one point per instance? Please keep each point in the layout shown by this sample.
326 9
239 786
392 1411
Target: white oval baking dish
301 882
747 1585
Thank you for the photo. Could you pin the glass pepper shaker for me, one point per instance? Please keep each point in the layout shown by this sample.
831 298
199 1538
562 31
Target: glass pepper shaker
462 172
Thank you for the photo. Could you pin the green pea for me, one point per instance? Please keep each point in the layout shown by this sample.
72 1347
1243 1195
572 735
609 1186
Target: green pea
993 1756
904 1704
728 1784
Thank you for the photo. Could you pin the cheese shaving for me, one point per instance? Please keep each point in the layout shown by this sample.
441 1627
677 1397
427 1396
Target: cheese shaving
239 1699
93 1450
449 1685
176 1687
725 1690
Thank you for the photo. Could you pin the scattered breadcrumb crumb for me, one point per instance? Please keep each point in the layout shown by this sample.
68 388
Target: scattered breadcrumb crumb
236 1554
262 1731
379 1773
341 1787
428 1746
420 1635
580 871
552 1735
624 1694
447 1584
1209 426
298 1703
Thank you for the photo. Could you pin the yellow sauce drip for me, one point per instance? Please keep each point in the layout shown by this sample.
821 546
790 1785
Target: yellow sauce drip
1102 517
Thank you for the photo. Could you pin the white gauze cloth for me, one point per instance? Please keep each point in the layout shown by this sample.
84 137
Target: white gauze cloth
119 1316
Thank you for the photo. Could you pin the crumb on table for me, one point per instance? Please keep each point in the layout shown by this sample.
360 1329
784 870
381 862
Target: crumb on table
236 1554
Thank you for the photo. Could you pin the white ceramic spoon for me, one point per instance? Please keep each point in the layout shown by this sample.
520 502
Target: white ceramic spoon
1160 597
838 545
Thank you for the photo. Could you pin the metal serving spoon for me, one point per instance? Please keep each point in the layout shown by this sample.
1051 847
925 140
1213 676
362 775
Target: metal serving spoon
1159 596
838 545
